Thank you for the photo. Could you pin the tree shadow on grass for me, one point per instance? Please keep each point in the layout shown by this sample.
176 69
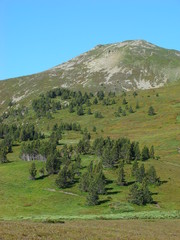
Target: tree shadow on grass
130 183
111 192
103 201
42 177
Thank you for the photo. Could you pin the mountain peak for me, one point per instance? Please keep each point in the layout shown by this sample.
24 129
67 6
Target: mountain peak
121 66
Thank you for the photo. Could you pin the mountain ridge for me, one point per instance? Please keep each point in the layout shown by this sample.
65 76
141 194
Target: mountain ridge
121 66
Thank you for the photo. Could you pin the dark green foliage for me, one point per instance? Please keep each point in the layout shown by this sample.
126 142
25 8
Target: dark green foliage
131 109
52 163
98 115
71 109
151 152
120 110
45 104
95 175
123 113
140 194
121 175
95 101
19 133
145 153
84 145
94 129
151 111
89 111
3 155
33 171
135 168
100 95
152 176
140 173
80 111
37 150
126 152
92 197
124 102
61 180
42 171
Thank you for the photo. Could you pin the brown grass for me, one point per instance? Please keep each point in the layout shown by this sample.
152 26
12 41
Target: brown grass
95 230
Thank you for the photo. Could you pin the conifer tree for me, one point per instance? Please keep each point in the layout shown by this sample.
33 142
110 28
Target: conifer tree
147 195
135 195
33 171
145 153
95 101
140 174
89 111
92 197
151 175
135 168
151 152
61 180
121 175
151 111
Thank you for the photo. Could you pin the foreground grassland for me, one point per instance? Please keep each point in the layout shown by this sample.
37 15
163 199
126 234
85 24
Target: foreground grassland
92 230
41 199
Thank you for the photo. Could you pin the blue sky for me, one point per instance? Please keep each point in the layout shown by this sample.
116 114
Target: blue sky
38 34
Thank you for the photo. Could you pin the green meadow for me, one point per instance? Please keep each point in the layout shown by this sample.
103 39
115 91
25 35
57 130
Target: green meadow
22 198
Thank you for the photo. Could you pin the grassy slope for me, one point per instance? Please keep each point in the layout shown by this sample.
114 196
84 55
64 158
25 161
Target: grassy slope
22 198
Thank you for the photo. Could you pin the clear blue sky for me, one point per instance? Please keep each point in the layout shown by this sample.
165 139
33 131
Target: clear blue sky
38 34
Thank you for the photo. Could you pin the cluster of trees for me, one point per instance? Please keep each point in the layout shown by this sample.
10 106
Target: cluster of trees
44 106
122 111
93 182
111 151
20 133
67 127
37 150
139 192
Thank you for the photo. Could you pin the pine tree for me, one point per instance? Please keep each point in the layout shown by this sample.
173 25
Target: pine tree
131 109
3 155
137 153
135 168
92 197
151 175
151 111
89 111
84 182
121 175
95 101
80 111
61 180
124 102
135 195
33 171
52 164
147 195
140 174
145 153
100 182
151 152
